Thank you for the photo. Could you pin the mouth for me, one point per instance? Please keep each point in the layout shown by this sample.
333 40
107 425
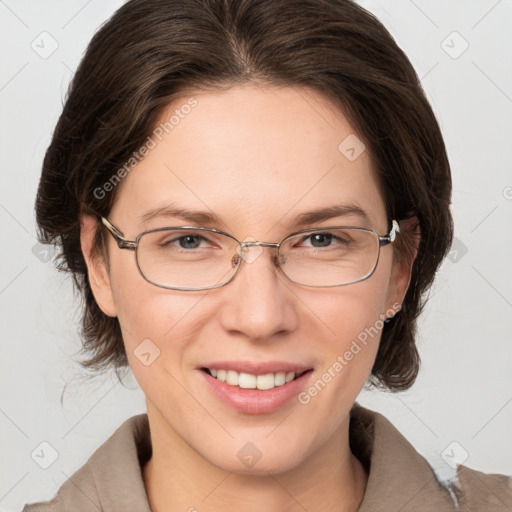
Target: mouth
261 392
261 381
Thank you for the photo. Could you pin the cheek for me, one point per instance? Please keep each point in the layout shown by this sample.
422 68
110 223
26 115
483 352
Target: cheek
352 319
167 318
351 310
159 331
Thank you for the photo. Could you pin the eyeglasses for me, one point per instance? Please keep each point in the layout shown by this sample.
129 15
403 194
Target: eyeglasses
195 258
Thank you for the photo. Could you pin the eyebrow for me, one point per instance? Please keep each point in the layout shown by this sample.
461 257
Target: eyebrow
321 214
208 218
171 210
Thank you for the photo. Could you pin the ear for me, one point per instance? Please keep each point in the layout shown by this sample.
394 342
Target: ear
97 272
404 254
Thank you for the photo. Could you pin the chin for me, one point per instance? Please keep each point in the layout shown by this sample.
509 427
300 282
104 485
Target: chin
249 460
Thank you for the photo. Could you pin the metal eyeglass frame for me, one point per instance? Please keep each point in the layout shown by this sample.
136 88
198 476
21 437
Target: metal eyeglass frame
132 245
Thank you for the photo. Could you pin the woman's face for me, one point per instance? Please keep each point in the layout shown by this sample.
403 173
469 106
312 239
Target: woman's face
256 158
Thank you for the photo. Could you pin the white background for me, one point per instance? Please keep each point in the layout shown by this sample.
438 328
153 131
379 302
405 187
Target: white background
464 390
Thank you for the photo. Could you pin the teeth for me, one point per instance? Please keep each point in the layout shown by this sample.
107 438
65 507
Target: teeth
232 378
249 381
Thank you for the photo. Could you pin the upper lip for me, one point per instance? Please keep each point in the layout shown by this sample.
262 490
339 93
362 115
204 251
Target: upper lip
260 368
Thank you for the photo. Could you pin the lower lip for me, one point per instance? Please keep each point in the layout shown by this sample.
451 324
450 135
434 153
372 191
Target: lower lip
255 401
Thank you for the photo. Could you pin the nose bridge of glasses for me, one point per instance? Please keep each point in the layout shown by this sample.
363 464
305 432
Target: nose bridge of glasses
251 243
250 257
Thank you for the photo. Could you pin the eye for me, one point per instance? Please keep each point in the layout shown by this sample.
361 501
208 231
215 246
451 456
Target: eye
321 239
188 241
181 242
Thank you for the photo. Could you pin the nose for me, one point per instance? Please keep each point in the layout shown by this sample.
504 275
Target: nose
258 301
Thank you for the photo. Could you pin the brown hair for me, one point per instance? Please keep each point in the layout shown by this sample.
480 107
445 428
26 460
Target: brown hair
150 51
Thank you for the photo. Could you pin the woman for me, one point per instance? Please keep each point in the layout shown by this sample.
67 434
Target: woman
253 198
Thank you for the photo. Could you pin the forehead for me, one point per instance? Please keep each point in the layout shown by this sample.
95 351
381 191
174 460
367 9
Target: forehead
256 156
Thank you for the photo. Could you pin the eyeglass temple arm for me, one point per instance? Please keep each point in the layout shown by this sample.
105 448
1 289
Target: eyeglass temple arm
391 236
118 236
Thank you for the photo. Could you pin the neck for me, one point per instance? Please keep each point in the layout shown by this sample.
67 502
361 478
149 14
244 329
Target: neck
177 478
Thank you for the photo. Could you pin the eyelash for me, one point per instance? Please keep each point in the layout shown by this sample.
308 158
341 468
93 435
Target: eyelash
203 238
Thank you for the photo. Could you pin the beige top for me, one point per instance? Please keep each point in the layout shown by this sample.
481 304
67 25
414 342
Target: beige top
400 479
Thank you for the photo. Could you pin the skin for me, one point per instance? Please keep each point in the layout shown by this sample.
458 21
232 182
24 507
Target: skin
256 156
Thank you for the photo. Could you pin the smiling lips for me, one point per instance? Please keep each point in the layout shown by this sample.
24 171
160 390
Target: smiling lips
250 381
249 375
